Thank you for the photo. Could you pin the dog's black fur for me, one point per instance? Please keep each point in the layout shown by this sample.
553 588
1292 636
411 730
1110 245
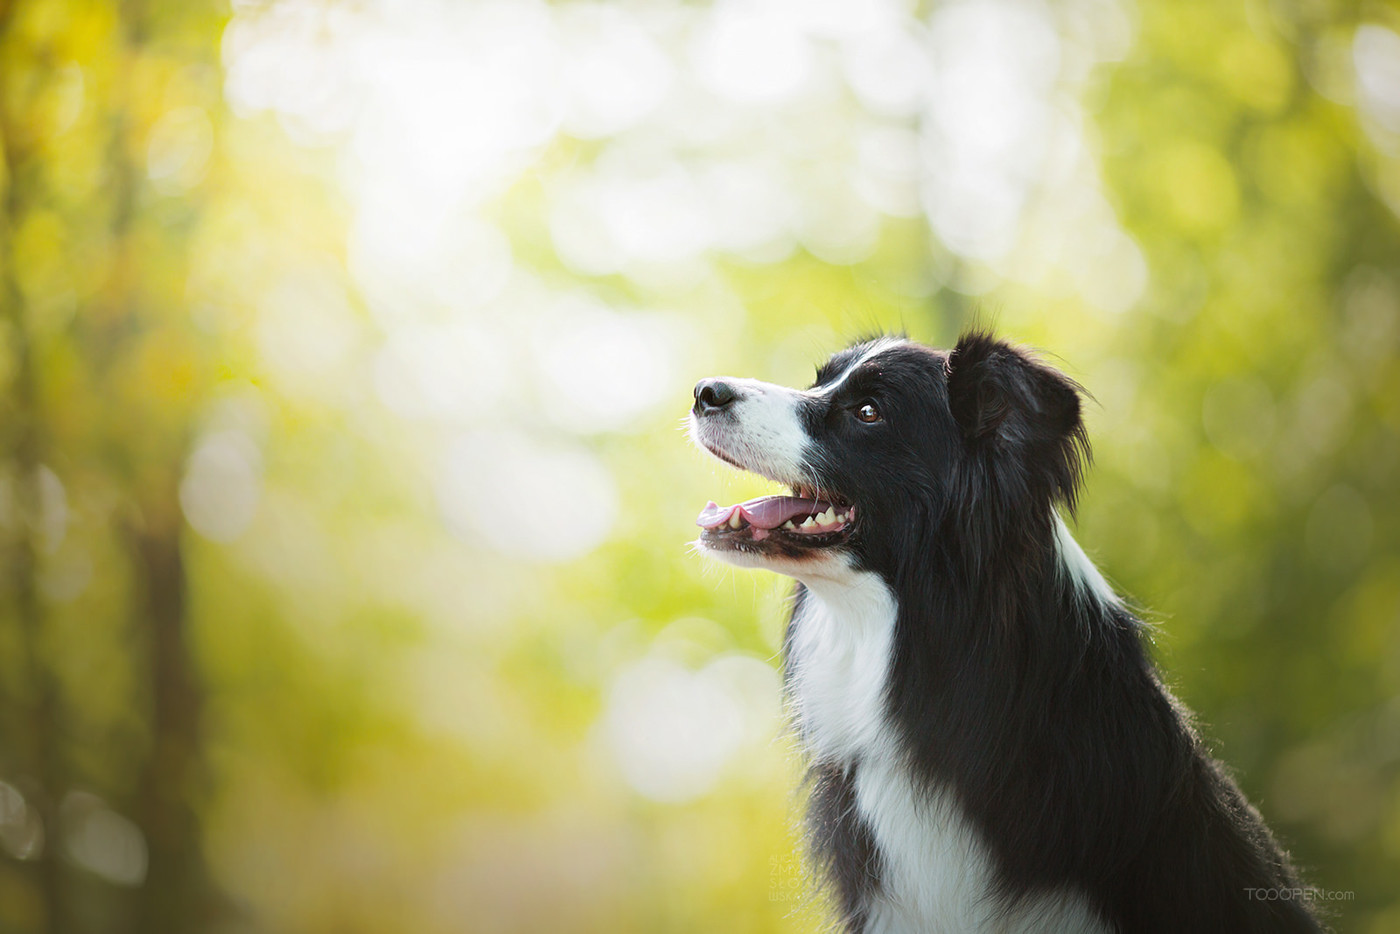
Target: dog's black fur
1027 695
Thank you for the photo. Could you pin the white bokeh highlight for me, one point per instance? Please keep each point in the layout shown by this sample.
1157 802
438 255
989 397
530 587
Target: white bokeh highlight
744 127
222 484
673 731
102 841
537 500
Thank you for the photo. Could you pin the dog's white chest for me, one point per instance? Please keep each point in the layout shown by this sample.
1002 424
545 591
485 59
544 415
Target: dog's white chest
935 870
840 655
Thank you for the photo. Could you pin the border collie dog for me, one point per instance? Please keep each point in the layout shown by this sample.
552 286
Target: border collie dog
991 748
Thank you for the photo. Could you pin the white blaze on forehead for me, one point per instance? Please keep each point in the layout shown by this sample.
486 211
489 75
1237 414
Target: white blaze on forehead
876 348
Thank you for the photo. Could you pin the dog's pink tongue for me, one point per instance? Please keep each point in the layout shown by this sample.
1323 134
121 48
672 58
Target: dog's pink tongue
713 515
764 512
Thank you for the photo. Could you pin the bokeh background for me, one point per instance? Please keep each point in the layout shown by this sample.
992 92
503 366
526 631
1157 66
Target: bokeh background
343 506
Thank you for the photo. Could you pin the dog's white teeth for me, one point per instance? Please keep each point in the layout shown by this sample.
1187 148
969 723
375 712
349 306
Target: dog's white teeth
827 517
788 525
735 521
809 522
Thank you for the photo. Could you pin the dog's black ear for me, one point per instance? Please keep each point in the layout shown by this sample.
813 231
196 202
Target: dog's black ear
1008 402
1000 391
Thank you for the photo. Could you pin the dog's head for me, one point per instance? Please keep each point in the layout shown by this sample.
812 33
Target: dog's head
893 442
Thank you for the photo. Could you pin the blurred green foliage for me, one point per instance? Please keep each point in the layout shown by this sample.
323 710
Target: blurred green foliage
277 654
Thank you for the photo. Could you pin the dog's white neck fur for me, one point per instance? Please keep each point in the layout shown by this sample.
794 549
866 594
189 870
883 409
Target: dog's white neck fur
1082 572
840 654
935 869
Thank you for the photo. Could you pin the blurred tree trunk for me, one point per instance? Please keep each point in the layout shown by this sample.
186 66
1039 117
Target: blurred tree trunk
176 896
23 440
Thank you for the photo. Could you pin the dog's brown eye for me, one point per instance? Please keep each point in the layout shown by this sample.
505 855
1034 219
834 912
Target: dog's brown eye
867 412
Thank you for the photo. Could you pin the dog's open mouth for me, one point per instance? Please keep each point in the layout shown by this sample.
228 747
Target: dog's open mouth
805 520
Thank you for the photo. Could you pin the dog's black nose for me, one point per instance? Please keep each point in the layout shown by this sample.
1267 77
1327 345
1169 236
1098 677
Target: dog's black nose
712 395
